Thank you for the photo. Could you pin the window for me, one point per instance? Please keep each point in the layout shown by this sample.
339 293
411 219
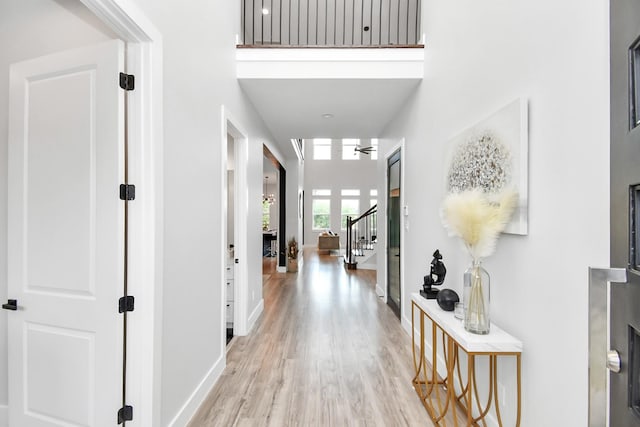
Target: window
321 149
353 193
374 197
321 193
321 214
348 149
374 152
350 207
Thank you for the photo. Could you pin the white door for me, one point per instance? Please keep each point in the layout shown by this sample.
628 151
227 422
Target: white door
65 237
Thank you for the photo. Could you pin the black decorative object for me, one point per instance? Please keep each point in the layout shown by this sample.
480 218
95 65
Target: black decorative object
439 271
447 299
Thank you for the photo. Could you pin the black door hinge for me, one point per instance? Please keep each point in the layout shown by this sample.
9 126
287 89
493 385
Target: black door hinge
125 304
127 192
127 81
125 414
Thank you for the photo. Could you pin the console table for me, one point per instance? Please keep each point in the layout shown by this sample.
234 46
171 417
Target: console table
429 386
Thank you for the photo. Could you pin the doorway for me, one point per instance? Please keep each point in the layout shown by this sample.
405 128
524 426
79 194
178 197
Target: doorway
270 217
394 192
230 254
274 199
234 288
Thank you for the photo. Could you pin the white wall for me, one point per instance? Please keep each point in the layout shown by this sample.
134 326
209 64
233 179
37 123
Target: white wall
199 77
480 56
336 174
28 30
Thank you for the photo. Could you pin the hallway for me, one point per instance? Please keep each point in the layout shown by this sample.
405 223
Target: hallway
326 352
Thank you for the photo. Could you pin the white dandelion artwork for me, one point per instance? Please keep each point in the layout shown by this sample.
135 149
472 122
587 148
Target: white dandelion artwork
492 157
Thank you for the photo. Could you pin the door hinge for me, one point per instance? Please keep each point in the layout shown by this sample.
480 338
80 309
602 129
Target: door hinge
125 304
127 81
125 414
127 192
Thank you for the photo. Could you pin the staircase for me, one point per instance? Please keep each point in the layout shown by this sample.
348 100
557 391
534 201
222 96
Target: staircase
362 240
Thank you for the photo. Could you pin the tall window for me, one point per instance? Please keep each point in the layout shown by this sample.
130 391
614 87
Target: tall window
321 214
374 197
321 149
374 152
350 206
348 149
321 209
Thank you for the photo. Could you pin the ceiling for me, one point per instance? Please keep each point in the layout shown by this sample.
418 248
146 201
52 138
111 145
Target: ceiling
294 108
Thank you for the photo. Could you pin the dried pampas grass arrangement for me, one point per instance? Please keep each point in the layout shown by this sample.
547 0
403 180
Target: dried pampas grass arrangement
478 218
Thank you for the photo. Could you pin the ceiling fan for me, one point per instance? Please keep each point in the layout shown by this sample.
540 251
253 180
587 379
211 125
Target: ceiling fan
363 150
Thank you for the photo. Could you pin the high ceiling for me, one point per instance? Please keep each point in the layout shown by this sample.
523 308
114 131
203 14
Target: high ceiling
294 108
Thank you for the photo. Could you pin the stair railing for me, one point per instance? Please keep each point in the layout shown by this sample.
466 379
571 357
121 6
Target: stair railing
362 234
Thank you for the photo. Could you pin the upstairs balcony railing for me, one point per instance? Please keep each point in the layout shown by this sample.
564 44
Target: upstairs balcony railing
330 23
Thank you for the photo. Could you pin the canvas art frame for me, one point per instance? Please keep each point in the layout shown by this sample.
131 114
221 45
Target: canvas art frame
509 125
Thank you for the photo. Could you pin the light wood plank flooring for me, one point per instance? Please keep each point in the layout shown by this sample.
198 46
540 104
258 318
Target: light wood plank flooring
326 352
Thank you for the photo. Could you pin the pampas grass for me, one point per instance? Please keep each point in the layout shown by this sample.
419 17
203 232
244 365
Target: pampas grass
478 218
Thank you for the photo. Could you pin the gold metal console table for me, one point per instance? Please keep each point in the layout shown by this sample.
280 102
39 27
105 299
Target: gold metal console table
454 388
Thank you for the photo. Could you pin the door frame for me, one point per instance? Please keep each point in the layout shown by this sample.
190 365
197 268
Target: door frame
144 60
399 145
231 126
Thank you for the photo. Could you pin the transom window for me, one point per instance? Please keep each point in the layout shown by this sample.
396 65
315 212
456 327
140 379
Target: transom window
348 149
322 149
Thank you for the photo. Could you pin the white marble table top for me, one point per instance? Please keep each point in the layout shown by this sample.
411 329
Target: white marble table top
496 341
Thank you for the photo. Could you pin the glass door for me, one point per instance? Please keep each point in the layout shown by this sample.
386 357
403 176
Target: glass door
393 232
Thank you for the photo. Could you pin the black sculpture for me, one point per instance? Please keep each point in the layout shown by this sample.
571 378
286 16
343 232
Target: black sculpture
440 271
447 299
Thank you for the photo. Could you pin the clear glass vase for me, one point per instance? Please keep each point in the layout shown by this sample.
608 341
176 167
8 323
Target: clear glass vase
476 299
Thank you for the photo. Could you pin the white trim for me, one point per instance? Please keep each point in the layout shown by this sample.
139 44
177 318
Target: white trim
255 314
323 63
4 416
231 126
190 407
379 291
144 57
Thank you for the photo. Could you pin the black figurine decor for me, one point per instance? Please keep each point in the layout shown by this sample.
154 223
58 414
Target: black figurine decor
439 271
447 299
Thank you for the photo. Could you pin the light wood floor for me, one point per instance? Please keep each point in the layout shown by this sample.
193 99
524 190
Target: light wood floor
326 352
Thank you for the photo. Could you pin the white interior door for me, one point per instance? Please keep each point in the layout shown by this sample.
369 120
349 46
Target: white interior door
65 238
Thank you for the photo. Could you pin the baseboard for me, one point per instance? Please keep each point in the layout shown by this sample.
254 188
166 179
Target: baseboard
253 318
4 416
196 399
379 291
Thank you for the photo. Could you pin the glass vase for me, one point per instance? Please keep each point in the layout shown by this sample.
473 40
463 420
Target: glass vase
476 299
